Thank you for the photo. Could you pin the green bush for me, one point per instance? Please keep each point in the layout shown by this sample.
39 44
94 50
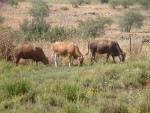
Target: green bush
75 3
64 8
1 19
142 101
126 3
13 2
19 87
36 29
71 92
71 108
104 1
114 3
129 20
39 9
93 27
145 4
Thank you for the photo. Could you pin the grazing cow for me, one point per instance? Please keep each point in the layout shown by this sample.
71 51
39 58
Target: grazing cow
108 47
28 51
69 49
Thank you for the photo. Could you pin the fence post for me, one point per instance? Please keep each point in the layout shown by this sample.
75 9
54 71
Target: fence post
130 44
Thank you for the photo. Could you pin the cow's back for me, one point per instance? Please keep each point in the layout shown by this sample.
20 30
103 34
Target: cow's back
101 46
63 48
24 51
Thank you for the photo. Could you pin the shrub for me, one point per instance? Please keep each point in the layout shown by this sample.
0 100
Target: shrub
129 20
71 92
145 4
142 101
71 108
75 3
126 3
13 2
64 9
19 87
93 27
36 29
62 33
39 9
114 3
104 1
1 19
7 40
106 106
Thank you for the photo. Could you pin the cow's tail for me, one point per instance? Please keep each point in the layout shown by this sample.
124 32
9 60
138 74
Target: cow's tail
88 48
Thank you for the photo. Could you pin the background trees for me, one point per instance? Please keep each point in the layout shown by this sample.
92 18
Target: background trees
129 20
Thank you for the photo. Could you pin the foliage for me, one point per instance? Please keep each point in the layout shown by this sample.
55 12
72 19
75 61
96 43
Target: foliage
145 4
129 20
114 3
19 87
104 1
94 27
8 38
13 2
64 9
71 108
71 91
39 9
89 89
36 29
75 3
126 3
1 19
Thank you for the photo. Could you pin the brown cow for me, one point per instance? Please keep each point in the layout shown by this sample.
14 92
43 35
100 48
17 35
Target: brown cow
108 47
28 51
69 49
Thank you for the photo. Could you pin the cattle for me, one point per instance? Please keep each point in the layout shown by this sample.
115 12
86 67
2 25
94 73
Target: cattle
28 51
68 49
103 46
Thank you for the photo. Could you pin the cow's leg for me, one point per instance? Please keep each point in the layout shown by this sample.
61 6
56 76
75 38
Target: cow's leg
69 56
56 57
120 58
93 57
107 57
114 59
36 63
17 61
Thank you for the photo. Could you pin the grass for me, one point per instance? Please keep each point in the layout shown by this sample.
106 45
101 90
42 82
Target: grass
87 89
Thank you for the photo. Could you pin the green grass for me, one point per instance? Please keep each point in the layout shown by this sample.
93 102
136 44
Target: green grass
102 88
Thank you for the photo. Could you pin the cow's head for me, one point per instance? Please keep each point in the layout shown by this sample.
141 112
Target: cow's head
123 57
80 60
46 61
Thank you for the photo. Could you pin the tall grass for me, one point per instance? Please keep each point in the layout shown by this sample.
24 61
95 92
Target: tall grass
88 89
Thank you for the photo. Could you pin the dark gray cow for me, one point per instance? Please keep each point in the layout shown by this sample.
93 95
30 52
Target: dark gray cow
108 47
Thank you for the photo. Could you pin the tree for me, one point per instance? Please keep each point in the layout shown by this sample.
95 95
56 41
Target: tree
94 27
38 28
12 2
145 4
129 20
39 9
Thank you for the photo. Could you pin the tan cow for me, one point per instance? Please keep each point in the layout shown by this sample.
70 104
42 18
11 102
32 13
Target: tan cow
28 51
108 47
69 49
